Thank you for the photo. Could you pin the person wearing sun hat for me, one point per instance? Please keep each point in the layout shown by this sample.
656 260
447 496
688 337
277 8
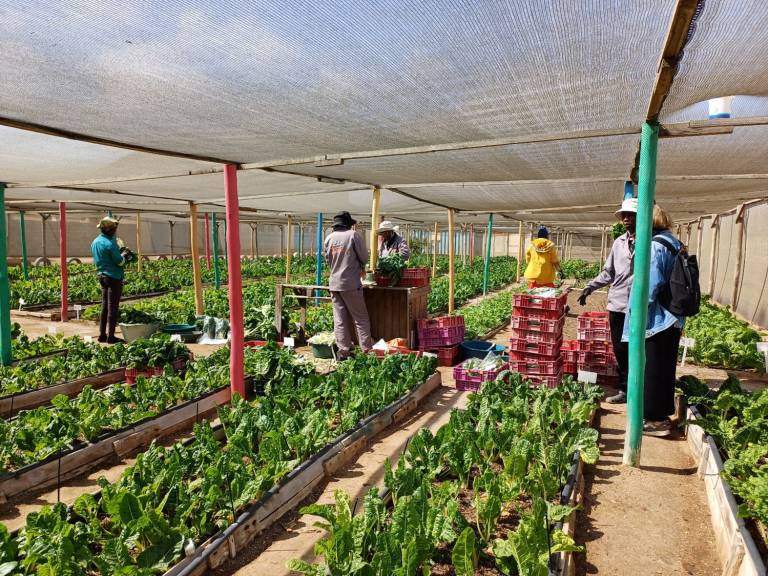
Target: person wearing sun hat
618 272
109 260
390 242
345 251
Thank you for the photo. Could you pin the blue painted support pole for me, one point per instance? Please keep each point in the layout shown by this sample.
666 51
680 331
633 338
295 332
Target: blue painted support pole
646 191
6 354
215 238
23 231
629 190
319 255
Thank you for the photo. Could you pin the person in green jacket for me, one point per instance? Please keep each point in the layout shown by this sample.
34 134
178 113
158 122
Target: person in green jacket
109 260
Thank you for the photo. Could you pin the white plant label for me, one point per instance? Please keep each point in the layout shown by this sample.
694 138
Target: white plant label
53 329
175 337
762 347
289 342
587 376
688 342
88 339
78 307
21 302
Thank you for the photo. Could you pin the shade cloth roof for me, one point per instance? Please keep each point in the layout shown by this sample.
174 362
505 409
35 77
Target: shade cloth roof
283 85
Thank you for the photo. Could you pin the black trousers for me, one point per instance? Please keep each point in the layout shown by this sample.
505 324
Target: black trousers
111 291
660 368
620 349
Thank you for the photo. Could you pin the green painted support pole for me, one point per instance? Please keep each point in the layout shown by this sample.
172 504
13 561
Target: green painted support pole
224 240
488 244
109 213
6 354
23 230
646 191
215 238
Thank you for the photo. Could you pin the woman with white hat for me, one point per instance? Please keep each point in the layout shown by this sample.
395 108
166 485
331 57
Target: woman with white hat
390 242
618 272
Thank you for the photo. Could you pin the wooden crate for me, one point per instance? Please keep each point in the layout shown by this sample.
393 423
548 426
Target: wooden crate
394 311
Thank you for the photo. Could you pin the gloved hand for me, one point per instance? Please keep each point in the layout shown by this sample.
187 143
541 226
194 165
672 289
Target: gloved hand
583 296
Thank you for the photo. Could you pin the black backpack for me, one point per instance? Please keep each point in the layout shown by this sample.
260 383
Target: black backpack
682 296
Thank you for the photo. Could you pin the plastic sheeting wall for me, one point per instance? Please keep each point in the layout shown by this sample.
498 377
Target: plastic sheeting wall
752 296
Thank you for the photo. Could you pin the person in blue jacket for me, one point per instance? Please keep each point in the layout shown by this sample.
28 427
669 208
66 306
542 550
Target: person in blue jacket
109 260
662 333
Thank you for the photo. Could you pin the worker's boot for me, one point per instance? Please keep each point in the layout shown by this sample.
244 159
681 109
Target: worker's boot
619 398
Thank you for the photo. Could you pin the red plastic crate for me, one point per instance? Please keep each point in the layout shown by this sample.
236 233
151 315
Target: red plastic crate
539 349
447 356
536 366
539 337
596 346
600 369
469 379
594 334
382 280
596 358
537 324
415 277
589 320
570 367
539 303
441 337
537 314
550 381
439 322
570 345
570 355
259 343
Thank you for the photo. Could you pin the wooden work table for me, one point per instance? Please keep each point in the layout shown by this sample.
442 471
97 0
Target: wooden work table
393 311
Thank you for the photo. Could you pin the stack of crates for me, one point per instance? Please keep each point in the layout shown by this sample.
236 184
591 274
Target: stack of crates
441 336
570 354
595 351
537 337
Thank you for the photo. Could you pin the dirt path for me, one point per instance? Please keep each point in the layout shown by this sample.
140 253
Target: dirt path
652 520
296 537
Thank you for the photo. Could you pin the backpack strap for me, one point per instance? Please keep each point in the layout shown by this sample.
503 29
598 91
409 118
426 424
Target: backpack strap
666 243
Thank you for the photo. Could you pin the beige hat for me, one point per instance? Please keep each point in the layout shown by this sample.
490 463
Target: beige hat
386 226
107 223
629 205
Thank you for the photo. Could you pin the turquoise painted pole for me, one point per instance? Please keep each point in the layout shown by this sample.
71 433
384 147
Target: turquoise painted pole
646 191
224 241
109 213
6 353
215 235
23 230
488 244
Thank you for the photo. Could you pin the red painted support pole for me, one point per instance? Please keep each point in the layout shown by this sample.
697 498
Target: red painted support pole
63 261
208 240
235 284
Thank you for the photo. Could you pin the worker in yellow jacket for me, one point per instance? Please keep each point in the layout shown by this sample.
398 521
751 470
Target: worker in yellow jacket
542 262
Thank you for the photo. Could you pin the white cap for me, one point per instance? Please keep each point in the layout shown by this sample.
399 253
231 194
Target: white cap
386 226
629 205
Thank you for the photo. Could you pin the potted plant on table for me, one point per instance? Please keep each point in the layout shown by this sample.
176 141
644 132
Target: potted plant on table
135 324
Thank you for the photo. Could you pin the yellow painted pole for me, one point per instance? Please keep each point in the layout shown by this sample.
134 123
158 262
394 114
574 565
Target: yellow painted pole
375 207
138 239
197 278
519 252
434 252
288 249
451 264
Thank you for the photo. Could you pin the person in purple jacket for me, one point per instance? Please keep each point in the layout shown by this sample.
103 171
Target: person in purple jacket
618 272
346 254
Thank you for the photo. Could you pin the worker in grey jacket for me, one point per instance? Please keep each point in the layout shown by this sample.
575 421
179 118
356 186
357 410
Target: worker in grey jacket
390 242
618 272
345 251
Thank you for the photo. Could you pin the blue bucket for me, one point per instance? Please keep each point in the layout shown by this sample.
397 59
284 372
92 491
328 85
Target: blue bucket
480 348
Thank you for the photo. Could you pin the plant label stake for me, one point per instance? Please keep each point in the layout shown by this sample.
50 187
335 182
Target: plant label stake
21 303
53 329
686 343
175 337
587 376
78 309
763 347
88 339
288 342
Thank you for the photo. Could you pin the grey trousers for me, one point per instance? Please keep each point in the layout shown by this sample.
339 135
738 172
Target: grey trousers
349 315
